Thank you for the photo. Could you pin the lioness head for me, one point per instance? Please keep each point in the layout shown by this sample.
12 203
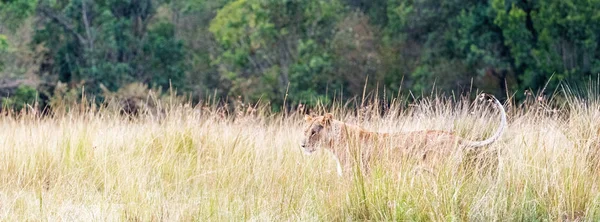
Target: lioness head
316 132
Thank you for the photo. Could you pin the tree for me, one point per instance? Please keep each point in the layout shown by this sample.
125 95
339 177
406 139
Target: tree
14 12
110 43
480 45
552 37
426 35
306 50
192 20
266 45
357 56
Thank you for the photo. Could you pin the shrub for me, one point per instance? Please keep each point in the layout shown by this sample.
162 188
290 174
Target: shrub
24 95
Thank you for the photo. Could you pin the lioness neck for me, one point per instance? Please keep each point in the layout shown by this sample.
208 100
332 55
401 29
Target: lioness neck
343 129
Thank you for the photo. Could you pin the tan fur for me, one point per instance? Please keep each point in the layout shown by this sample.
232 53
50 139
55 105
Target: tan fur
324 131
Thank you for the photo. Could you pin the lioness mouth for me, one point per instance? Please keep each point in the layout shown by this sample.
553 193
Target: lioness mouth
307 152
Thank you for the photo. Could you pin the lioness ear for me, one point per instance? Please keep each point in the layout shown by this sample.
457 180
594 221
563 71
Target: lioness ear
327 118
308 118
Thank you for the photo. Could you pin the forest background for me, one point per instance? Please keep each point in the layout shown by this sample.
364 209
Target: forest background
288 52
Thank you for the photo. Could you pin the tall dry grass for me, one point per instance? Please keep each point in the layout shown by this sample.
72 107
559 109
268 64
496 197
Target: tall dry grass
197 164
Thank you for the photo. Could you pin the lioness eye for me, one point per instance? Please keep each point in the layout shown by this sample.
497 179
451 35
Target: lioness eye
313 133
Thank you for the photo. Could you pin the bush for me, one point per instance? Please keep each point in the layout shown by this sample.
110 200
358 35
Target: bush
24 95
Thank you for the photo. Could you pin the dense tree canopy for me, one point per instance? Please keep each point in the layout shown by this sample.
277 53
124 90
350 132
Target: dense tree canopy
109 43
266 45
302 51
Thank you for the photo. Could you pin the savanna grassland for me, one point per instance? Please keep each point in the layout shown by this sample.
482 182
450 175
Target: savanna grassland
204 164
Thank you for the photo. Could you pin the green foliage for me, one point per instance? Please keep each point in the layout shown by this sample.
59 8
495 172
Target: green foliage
3 48
3 43
110 43
24 95
306 50
481 46
313 67
266 45
165 55
435 41
192 28
13 12
552 37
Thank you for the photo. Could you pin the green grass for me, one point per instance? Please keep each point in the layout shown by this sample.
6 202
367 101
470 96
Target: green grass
193 165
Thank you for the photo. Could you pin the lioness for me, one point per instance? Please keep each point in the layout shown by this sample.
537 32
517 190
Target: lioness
334 135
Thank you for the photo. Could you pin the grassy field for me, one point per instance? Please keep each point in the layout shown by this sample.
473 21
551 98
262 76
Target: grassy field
195 164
